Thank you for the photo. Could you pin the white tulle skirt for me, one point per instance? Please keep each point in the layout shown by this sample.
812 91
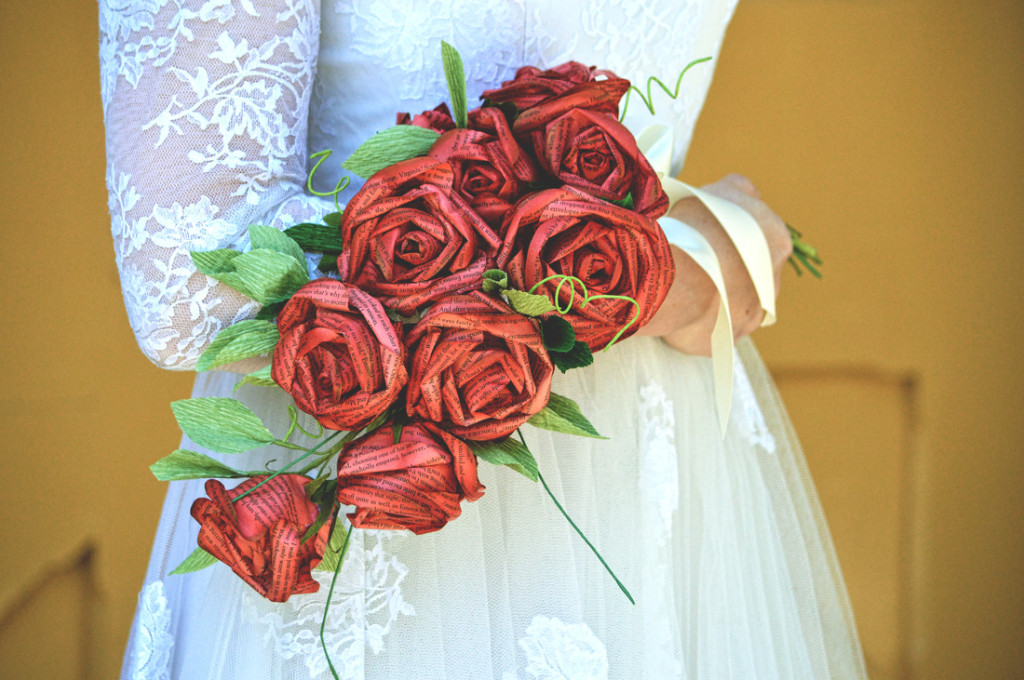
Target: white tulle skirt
721 542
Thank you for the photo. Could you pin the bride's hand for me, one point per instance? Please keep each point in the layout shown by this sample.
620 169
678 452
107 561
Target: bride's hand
688 314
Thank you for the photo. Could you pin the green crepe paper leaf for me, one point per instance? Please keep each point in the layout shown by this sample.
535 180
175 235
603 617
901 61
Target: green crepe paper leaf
398 143
333 219
269 275
327 505
185 464
562 414
456 77
272 239
627 202
243 340
269 312
578 357
510 453
495 280
259 377
529 304
558 334
328 263
219 265
333 550
221 424
318 238
199 559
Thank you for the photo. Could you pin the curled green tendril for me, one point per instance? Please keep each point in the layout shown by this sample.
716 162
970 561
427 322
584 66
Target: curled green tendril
586 297
320 157
649 99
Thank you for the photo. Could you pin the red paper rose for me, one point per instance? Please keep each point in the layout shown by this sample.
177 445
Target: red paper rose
438 119
532 86
416 483
477 366
411 237
598 96
259 536
599 156
491 170
614 251
339 355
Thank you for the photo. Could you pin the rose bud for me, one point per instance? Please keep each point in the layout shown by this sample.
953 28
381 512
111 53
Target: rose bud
491 170
259 536
339 355
599 156
532 86
411 238
438 119
415 484
477 367
612 250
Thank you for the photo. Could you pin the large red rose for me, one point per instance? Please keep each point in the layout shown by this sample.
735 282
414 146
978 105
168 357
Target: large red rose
491 170
612 250
598 96
339 355
532 86
599 156
411 238
259 536
477 366
416 483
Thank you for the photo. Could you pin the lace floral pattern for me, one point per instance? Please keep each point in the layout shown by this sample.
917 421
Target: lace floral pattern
556 650
153 640
366 603
749 417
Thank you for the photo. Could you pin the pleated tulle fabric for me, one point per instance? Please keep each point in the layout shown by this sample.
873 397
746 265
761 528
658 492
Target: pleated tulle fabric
210 109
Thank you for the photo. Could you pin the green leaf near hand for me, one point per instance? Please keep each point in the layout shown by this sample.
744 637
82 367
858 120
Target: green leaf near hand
243 340
509 453
219 265
185 464
562 414
269 275
221 424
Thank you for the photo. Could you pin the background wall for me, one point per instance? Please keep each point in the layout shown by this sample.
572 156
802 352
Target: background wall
889 131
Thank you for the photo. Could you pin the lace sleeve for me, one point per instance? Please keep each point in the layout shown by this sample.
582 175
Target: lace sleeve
206 107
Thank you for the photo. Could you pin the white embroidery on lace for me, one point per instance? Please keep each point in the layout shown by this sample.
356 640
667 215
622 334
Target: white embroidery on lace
558 651
749 418
151 654
366 603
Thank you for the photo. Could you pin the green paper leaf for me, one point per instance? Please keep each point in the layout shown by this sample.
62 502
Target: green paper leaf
455 74
318 238
259 377
269 275
562 414
333 219
269 312
529 304
398 143
199 559
578 357
328 263
269 238
185 464
219 265
509 453
558 334
626 202
221 424
243 340
495 280
334 545
327 505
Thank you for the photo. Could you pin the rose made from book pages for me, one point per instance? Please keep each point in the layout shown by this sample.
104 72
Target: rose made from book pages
492 171
339 355
416 483
599 156
438 119
598 96
411 238
612 250
477 367
260 536
531 85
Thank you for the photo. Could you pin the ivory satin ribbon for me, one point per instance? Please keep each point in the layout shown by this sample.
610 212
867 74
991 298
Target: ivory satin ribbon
656 143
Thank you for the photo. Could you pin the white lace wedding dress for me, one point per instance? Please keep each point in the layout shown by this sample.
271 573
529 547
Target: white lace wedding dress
211 110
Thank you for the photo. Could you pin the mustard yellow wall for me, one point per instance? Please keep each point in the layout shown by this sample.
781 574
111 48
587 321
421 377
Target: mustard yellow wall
890 131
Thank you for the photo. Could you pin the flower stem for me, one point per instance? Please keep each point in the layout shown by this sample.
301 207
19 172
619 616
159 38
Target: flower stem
327 604
287 467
